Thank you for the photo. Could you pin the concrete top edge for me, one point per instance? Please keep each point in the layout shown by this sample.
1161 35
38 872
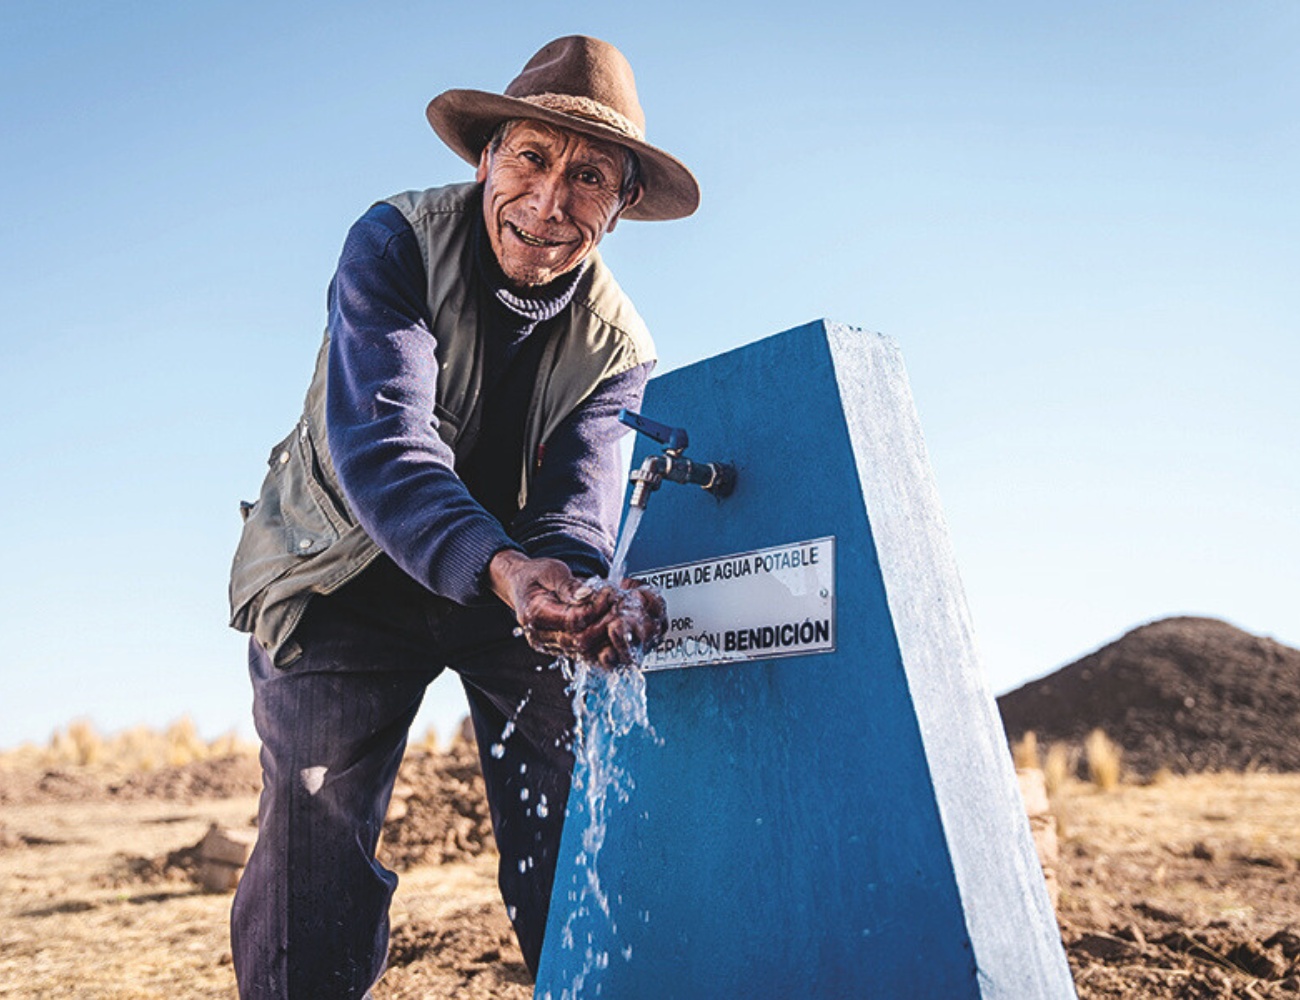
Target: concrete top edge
823 328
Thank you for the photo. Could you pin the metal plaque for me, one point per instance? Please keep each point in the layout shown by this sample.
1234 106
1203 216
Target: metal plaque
756 605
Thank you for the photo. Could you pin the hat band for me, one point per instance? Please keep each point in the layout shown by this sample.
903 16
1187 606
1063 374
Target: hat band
588 110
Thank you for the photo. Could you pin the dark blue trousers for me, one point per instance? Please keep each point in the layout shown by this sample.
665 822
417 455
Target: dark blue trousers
310 918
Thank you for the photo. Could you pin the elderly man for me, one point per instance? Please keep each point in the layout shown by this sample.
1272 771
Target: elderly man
455 472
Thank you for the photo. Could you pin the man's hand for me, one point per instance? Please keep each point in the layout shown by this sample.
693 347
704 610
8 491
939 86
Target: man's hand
638 620
562 615
557 611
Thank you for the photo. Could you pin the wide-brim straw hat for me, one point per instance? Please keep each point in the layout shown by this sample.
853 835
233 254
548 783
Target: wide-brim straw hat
583 85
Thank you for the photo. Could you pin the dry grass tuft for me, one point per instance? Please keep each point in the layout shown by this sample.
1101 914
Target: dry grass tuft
183 745
141 748
138 749
1104 760
87 747
1057 768
228 744
1025 752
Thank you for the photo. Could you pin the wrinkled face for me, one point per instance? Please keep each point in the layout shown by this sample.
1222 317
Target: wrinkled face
549 196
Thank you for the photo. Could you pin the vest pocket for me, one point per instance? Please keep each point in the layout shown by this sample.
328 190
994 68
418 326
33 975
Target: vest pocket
309 527
327 502
290 523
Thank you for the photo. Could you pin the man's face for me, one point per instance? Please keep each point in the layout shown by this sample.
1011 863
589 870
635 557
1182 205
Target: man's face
549 196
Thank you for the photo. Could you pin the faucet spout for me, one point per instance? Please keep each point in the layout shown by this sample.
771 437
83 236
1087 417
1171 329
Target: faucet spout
718 478
646 480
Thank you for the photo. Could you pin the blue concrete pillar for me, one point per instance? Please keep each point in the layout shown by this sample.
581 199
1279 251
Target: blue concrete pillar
829 818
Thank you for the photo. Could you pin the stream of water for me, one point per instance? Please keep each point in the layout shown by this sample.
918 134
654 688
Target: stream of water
609 707
618 565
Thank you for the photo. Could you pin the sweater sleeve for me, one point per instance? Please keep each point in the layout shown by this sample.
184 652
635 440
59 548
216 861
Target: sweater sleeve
575 502
396 472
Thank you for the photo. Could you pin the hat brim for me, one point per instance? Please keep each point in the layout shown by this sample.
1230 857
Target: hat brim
466 119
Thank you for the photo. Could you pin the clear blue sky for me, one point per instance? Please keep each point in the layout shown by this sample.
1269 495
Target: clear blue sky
1079 221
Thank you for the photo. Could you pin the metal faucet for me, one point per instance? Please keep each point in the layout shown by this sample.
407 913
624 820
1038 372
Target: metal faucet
719 478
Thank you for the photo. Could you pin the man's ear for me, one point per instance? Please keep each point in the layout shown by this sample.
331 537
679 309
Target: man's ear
481 171
628 202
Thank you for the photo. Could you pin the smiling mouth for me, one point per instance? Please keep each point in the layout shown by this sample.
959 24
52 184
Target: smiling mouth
528 239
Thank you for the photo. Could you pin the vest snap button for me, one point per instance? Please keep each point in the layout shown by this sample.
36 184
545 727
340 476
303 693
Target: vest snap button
284 457
304 543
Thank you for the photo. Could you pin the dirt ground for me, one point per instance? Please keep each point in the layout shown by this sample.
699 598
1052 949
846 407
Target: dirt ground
1183 888
90 909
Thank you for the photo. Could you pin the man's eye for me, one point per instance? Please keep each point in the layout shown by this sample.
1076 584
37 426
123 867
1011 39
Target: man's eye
590 177
531 157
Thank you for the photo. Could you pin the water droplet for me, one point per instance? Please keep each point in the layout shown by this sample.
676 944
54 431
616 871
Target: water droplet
523 795
523 768
523 866
498 751
511 912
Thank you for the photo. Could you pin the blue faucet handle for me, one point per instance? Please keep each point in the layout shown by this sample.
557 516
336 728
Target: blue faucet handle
672 438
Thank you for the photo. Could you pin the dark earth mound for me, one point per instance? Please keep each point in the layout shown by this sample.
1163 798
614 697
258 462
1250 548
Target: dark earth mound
445 816
1187 694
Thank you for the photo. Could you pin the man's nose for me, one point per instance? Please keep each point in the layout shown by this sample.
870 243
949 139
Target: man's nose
550 196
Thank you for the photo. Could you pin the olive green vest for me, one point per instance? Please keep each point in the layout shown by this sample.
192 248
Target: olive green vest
301 538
